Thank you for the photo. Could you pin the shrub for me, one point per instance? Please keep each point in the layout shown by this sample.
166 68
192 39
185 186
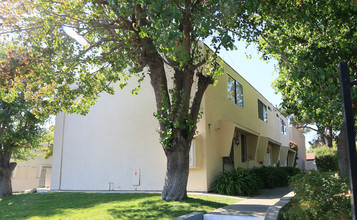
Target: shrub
291 171
271 177
326 159
247 182
238 182
319 195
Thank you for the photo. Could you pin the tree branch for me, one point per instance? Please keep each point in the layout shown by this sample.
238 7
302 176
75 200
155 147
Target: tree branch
203 82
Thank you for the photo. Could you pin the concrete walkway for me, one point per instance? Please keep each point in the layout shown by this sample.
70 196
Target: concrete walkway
250 208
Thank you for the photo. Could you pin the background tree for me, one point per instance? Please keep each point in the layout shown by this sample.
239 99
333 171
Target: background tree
125 38
48 141
20 129
309 39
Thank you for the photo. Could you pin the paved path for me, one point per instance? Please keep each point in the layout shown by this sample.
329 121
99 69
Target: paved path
253 207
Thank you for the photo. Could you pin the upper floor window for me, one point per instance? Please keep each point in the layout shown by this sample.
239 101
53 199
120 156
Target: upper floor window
235 91
283 127
262 111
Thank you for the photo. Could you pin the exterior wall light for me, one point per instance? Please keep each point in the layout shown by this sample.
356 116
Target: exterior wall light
236 140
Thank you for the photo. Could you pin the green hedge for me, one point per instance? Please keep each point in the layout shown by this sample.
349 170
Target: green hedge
319 195
247 182
239 182
272 177
326 159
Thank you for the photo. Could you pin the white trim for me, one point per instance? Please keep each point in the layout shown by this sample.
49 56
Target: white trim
61 161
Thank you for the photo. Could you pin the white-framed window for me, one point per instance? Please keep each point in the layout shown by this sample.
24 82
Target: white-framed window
283 126
262 111
235 91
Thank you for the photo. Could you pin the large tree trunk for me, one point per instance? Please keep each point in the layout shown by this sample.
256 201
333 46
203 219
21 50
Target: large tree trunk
176 173
6 169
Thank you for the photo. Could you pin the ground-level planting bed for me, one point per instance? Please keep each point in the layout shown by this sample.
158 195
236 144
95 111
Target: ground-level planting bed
104 206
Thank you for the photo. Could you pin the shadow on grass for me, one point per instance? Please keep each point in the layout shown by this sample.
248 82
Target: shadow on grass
158 209
24 206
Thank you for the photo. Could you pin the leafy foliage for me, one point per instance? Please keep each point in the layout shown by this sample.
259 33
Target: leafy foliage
239 182
119 39
309 39
20 129
47 140
319 195
247 182
272 177
326 159
120 36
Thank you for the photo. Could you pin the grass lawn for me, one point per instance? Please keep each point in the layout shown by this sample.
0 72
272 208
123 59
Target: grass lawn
104 206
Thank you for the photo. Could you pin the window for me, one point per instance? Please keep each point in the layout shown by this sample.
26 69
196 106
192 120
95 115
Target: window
283 127
235 91
262 111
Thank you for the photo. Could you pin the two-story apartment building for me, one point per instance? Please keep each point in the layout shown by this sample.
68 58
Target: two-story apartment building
116 146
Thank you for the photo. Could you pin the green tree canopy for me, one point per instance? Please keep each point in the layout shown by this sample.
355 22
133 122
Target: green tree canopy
126 38
309 39
20 129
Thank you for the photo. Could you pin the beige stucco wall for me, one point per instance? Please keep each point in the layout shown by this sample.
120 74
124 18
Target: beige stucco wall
27 173
299 138
223 118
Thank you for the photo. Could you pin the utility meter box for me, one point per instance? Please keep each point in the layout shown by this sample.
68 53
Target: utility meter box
135 180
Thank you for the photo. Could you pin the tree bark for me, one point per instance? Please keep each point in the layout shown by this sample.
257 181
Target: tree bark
342 152
176 172
6 169
328 135
174 105
322 139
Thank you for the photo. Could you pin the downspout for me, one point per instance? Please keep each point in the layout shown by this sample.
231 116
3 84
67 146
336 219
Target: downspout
60 177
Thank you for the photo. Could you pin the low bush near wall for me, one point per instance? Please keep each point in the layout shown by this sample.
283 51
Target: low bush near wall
326 159
272 177
238 182
319 195
247 182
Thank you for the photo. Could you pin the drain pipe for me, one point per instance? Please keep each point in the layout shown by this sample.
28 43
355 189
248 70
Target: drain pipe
60 176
